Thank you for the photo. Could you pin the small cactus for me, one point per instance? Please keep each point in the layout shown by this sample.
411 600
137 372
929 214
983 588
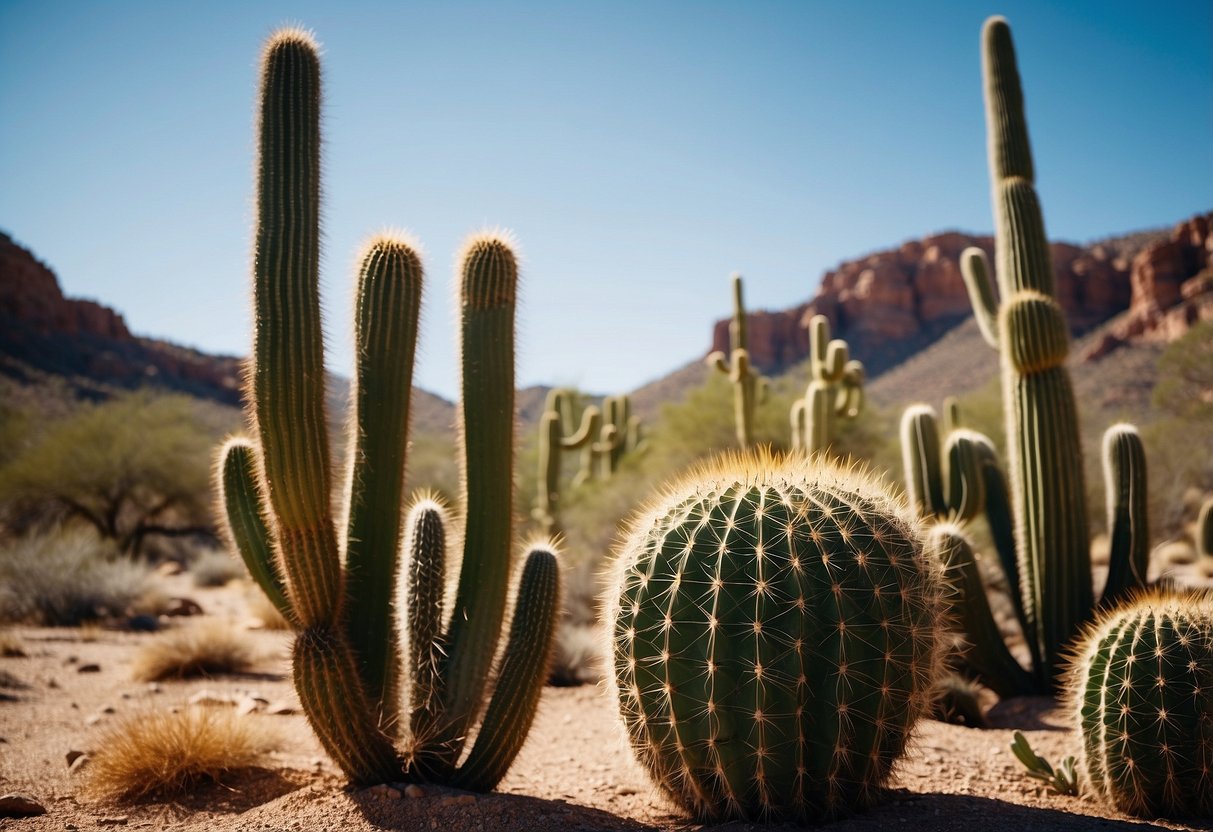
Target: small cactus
749 388
558 415
835 390
776 629
1140 688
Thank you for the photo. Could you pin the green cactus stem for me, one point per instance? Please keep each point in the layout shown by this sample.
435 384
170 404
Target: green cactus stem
1204 534
1124 463
1140 689
777 632
748 389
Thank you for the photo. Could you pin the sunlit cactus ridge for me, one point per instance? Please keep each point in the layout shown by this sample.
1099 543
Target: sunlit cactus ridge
380 715
1141 695
776 632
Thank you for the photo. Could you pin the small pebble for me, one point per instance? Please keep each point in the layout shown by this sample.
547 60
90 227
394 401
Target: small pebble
17 805
73 755
89 668
113 821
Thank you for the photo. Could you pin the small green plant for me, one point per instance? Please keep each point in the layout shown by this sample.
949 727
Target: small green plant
1140 690
777 633
749 388
1063 780
835 390
339 590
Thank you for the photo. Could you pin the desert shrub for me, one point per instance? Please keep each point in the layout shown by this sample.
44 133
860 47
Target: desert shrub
209 648
576 656
163 754
262 608
65 578
215 567
135 466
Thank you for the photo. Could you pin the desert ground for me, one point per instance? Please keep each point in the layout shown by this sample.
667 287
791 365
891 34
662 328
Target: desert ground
575 773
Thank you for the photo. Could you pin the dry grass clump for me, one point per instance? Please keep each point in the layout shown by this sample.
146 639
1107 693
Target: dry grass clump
207 649
576 656
262 608
164 754
215 567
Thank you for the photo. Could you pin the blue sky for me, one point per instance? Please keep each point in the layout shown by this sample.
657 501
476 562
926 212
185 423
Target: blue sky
641 151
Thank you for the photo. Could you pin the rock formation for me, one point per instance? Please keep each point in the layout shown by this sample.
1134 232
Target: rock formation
90 344
890 304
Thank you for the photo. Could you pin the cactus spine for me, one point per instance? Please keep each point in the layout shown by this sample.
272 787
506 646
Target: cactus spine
1141 694
749 389
277 489
776 631
835 390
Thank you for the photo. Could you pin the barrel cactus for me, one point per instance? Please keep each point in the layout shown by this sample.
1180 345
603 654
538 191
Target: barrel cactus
337 585
1141 695
776 633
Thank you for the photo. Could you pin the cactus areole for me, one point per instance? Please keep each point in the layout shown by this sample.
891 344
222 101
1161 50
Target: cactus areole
776 631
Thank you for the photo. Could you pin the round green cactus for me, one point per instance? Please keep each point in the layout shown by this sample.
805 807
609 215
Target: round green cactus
776 631
1141 693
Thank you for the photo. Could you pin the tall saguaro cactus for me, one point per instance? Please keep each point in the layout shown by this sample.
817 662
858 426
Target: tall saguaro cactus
1028 328
276 489
749 389
835 389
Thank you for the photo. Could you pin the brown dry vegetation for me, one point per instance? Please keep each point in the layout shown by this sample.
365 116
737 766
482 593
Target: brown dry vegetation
207 648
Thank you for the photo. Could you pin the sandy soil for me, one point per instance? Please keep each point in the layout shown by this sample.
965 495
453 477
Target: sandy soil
575 772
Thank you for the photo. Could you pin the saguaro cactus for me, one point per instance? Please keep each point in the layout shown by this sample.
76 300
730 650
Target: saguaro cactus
776 633
749 389
1030 332
558 413
835 389
346 662
1141 695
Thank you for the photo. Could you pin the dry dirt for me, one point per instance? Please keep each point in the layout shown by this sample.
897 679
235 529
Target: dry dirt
575 772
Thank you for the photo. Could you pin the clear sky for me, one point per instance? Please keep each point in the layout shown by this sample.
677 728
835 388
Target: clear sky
641 151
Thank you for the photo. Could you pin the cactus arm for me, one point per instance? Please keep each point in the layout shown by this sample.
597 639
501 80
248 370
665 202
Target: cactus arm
549 471
835 364
1002 526
604 448
818 417
245 521
1124 464
387 305
976 273
489 279
921 461
425 588
585 430
635 442
988 656
951 416
762 389
287 377
797 416
717 359
851 397
521 678
964 486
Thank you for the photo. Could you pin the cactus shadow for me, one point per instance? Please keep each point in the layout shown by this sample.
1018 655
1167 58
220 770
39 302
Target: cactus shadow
1027 713
451 809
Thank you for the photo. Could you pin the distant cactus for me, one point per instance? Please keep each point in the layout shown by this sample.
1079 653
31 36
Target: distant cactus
835 390
1141 693
277 489
749 388
553 439
777 634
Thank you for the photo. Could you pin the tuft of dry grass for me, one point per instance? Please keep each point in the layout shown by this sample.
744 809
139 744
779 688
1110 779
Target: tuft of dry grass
210 648
262 608
10 644
164 754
